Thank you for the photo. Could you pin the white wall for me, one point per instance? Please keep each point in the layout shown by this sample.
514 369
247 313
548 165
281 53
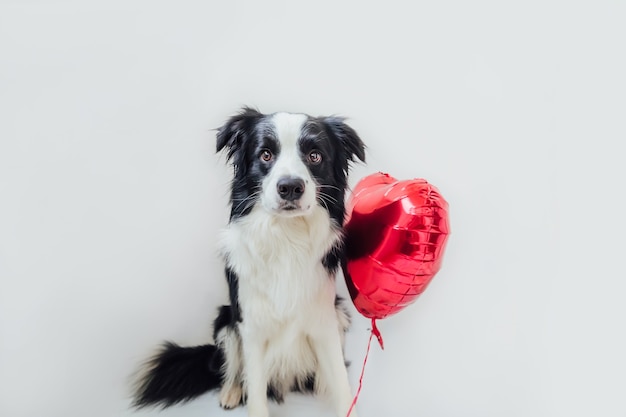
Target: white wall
111 196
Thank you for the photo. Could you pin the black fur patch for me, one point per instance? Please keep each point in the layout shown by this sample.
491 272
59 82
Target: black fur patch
224 318
233 292
332 259
339 145
177 374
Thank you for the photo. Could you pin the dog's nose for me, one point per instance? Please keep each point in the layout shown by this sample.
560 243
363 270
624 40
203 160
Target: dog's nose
290 189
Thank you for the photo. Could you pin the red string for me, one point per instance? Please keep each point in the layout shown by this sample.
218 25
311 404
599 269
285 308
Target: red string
374 332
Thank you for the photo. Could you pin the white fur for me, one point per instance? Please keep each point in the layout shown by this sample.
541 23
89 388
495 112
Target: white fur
230 394
290 327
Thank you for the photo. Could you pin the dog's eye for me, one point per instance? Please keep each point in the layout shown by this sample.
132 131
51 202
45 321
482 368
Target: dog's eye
315 157
266 155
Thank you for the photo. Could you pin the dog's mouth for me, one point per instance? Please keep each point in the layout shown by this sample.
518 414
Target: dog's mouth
288 206
291 209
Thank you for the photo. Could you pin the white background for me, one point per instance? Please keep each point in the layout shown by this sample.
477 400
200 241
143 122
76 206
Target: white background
111 194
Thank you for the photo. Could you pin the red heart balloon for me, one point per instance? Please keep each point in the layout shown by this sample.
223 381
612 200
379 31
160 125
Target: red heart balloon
395 239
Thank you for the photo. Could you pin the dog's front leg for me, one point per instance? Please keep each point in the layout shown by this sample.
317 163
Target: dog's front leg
332 368
255 374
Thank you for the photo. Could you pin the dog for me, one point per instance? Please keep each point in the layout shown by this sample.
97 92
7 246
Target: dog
283 248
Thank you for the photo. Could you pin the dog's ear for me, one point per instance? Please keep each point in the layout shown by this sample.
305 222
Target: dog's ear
350 140
233 133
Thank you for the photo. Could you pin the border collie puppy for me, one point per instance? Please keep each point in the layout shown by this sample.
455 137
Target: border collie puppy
284 328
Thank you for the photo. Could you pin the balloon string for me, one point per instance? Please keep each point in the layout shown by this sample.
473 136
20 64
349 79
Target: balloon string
374 332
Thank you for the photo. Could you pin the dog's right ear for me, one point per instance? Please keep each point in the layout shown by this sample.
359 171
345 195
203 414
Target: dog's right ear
234 131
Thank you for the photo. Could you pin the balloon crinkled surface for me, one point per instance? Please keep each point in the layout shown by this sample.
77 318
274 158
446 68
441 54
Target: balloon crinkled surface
396 233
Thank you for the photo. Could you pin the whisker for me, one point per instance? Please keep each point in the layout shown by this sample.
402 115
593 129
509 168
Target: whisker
245 200
323 202
329 186
328 196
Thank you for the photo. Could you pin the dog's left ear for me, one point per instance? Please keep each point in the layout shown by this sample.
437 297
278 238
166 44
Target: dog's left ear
347 136
234 132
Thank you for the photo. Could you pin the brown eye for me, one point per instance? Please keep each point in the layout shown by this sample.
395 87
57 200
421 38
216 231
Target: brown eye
315 157
266 155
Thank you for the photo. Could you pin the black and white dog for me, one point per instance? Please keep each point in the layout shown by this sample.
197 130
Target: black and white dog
284 328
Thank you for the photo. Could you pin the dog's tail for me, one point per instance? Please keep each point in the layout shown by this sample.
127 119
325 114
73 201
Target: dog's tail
178 374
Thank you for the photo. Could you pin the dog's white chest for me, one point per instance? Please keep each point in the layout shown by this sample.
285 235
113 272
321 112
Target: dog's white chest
278 262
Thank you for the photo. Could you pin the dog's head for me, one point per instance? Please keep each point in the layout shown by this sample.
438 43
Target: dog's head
289 163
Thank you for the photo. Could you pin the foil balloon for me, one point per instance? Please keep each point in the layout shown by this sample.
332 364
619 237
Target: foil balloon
396 233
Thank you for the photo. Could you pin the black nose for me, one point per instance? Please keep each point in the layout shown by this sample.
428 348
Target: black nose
290 189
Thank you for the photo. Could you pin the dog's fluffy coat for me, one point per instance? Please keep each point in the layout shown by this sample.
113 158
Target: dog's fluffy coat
282 248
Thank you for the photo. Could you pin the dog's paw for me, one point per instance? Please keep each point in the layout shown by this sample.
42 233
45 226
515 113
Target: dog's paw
230 397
